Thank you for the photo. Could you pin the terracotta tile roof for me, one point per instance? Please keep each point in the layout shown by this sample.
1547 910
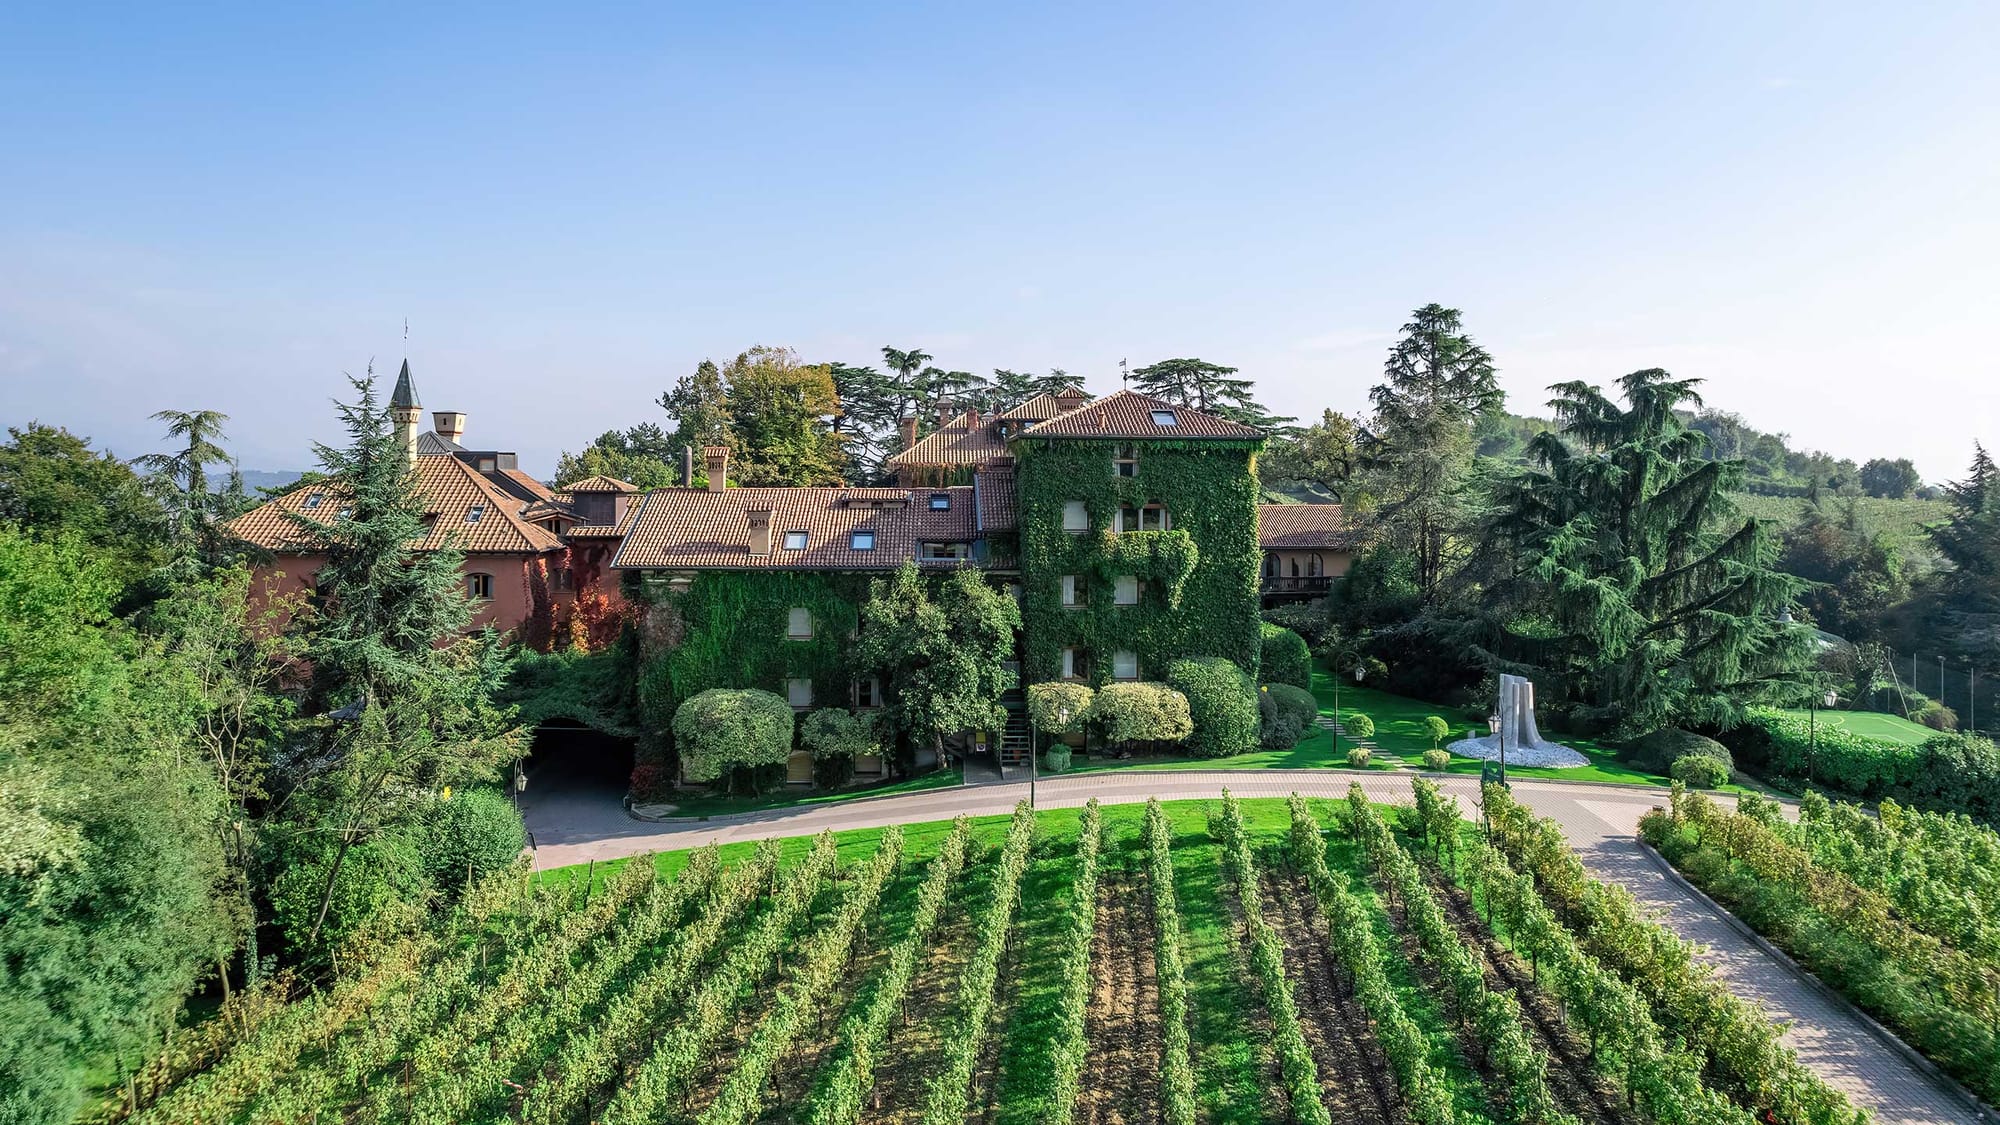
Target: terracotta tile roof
994 488
1301 527
1043 407
543 509
451 490
527 483
690 528
601 484
1129 415
958 442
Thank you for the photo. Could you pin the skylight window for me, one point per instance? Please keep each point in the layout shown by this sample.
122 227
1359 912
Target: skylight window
862 541
473 513
940 501
313 501
1165 418
795 540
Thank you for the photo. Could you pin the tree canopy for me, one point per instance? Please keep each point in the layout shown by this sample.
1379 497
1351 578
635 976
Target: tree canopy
942 648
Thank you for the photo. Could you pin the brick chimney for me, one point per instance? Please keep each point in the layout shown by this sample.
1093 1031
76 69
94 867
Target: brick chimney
974 419
944 416
717 457
909 431
449 424
760 530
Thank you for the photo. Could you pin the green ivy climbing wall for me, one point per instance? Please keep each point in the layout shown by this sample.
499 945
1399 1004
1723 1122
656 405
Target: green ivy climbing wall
1200 595
729 629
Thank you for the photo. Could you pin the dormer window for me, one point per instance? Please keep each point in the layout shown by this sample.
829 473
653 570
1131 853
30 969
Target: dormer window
1126 463
473 514
1165 418
795 540
314 500
940 501
487 464
862 541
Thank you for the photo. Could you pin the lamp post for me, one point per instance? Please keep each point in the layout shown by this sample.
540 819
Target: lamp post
1495 726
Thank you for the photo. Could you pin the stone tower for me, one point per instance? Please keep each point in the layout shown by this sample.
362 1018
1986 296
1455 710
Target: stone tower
405 410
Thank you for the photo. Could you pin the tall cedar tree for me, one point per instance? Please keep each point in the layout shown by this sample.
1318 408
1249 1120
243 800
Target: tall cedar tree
1632 590
1969 617
1419 445
1208 387
390 638
195 511
942 649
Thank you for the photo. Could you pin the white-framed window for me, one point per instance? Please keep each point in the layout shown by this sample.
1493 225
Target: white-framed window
942 550
868 693
1153 517
314 500
1076 517
940 501
1125 590
1126 462
799 691
479 587
1075 664
1074 591
799 624
1124 665
1165 418
862 540
795 540
1126 518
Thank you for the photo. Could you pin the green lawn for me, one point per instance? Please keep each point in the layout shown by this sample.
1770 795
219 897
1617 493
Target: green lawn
1871 724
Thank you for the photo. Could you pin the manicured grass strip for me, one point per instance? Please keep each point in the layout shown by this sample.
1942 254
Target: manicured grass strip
846 1080
741 1098
1494 1018
1072 1039
591 1056
947 1092
1176 1076
1744 1057
1427 1093
1267 960
665 1076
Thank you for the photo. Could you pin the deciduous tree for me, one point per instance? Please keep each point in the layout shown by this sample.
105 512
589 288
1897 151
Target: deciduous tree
942 650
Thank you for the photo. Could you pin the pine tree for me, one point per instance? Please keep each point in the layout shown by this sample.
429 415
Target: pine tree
1969 611
1208 387
193 508
1055 382
1419 448
1011 389
1631 589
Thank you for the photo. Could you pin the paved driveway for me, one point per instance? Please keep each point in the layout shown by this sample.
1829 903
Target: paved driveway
574 825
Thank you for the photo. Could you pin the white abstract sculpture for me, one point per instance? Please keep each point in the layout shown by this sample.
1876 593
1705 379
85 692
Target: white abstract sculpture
1524 742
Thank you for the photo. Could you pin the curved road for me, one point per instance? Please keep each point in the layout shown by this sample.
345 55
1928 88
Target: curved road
577 824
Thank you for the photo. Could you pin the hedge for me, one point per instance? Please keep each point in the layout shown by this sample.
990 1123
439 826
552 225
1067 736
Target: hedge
1047 703
1286 712
1950 773
1286 659
1222 702
1142 712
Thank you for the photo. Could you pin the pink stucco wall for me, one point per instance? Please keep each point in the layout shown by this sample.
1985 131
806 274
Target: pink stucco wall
290 575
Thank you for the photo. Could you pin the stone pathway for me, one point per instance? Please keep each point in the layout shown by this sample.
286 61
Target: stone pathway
1600 820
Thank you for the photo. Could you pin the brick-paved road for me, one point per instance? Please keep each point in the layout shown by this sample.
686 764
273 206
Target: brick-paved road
577 825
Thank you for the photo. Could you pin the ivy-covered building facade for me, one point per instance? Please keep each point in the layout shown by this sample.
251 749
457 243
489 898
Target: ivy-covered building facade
1127 527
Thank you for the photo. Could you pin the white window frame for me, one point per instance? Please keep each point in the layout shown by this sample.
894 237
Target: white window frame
799 692
1072 591
1071 658
1128 660
1125 590
1076 517
793 630
803 538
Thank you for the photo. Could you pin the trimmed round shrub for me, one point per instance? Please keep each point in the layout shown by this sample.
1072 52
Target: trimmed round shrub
1699 771
1285 658
727 729
1437 728
1223 703
1048 702
1358 757
1437 761
1359 725
1144 712
478 831
1056 758
1658 751
1286 713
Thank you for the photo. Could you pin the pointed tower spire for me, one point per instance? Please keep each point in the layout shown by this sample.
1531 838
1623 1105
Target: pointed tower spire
405 410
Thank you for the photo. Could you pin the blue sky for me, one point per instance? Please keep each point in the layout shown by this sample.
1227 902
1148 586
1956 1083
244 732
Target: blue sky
228 206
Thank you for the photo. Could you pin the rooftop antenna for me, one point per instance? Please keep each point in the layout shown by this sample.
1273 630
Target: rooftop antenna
1124 375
